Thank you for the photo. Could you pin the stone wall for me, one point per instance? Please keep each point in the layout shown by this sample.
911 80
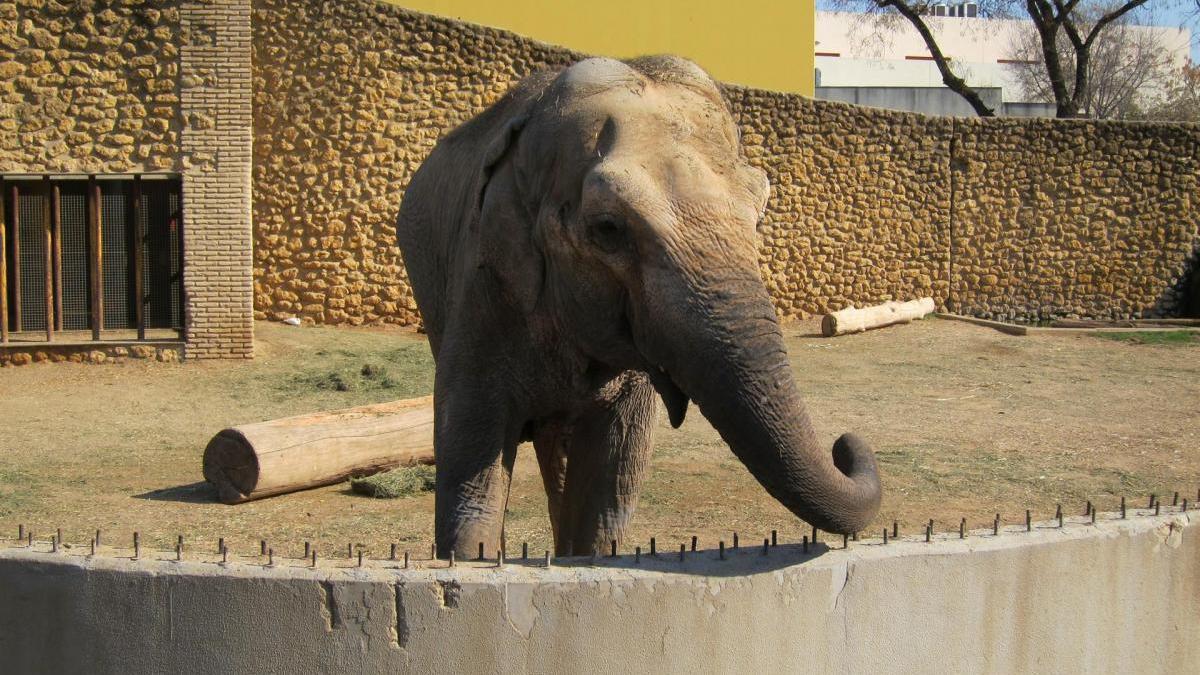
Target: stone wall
1017 219
1053 217
349 98
856 214
89 87
137 86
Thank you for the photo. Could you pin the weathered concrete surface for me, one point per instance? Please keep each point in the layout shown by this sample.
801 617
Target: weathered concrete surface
1121 596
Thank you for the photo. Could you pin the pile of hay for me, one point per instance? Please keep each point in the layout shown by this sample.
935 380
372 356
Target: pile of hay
403 482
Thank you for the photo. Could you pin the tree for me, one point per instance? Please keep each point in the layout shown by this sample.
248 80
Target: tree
1052 20
1130 68
1181 99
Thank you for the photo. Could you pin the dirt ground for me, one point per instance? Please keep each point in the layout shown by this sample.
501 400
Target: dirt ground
966 421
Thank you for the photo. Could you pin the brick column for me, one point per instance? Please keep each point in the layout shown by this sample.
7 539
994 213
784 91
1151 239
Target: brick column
215 93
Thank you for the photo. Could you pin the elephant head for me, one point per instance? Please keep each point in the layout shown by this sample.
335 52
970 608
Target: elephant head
639 245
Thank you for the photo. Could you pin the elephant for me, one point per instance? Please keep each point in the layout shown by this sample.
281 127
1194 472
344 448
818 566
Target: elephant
585 243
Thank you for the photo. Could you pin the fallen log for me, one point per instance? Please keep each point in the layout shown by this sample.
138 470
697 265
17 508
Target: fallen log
1124 323
270 458
851 320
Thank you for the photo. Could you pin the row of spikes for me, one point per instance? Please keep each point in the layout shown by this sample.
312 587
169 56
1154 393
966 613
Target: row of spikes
310 552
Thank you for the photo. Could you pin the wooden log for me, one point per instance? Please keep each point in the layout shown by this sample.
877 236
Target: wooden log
295 453
851 320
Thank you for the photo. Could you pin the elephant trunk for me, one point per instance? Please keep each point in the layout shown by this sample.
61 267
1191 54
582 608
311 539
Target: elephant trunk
730 359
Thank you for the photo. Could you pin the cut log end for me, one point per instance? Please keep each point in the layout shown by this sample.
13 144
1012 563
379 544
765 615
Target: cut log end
829 325
231 465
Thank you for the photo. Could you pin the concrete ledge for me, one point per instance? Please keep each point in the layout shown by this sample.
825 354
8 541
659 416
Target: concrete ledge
1118 596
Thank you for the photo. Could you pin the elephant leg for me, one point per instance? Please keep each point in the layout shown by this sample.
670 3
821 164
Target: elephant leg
551 441
474 455
593 468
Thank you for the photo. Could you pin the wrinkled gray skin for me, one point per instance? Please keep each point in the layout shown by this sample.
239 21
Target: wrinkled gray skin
583 243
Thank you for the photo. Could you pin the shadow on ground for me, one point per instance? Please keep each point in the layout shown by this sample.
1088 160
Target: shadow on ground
201 492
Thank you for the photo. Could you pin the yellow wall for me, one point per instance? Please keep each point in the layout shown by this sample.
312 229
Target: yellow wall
758 43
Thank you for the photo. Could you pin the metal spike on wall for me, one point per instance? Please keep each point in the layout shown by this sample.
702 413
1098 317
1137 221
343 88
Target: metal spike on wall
356 554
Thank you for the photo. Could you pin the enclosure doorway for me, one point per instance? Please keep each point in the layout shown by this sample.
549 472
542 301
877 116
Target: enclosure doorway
91 257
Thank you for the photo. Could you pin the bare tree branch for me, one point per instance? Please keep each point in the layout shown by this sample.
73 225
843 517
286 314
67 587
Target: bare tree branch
1112 16
1048 22
1068 32
952 81
1121 74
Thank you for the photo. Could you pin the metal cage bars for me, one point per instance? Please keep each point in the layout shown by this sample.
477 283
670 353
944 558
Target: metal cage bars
124 251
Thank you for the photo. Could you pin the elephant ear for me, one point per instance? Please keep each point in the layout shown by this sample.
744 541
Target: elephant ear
503 225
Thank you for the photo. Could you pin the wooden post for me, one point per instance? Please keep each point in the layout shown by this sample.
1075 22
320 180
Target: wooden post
3 267
48 258
56 258
135 210
176 230
15 231
96 254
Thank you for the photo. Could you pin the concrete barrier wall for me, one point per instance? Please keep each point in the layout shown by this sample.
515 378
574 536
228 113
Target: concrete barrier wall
1120 596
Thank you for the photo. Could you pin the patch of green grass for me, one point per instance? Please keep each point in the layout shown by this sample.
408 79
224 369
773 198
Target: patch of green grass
369 377
17 490
1154 337
378 371
403 482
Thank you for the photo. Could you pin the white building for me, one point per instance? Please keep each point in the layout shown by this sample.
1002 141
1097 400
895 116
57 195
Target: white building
881 60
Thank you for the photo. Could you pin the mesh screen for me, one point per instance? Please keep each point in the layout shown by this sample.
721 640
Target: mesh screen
158 222
118 308
161 269
76 300
31 220
176 237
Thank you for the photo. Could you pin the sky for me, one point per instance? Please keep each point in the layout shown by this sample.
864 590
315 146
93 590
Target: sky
1182 14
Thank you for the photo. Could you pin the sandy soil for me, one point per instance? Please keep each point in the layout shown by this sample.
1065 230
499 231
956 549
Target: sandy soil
967 422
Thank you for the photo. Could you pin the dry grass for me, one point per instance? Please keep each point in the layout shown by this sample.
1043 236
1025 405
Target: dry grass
406 481
966 422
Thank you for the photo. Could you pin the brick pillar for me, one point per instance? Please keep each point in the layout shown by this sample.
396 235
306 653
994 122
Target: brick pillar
215 95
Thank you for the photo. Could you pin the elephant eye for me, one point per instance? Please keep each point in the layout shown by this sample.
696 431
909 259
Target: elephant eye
607 233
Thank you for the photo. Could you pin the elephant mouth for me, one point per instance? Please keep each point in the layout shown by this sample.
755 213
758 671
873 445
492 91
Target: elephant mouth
672 396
